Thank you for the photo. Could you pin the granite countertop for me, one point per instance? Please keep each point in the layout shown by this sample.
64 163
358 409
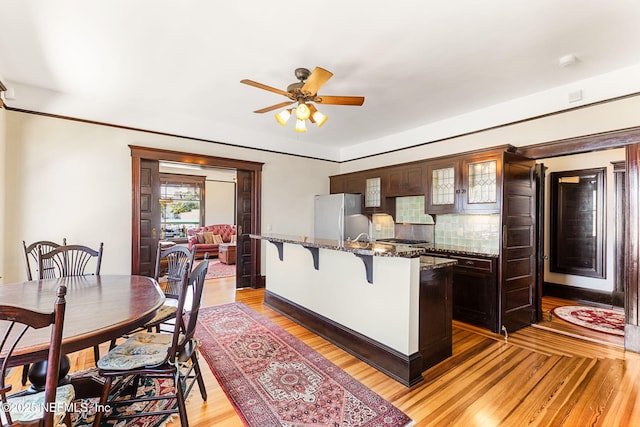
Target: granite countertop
428 262
462 250
361 248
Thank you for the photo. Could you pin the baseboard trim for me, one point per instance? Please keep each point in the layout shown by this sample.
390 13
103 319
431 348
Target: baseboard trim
407 370
580 294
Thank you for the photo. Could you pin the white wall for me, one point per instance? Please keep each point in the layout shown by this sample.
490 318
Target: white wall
576 162
2 189
220 201
72 179
621 114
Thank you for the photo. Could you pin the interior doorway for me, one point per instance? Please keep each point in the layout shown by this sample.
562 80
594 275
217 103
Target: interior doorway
145 235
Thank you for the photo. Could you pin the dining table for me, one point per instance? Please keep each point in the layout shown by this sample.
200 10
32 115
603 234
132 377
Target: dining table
99 308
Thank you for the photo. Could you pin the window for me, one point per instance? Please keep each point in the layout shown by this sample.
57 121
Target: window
182 203
577 222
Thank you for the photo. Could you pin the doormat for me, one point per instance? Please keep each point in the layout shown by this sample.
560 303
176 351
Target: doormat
274 379
218 269
151 387
595 318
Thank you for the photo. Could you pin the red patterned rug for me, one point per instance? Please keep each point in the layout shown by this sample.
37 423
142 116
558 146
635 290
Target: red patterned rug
217 270
595 318
274 379
85 408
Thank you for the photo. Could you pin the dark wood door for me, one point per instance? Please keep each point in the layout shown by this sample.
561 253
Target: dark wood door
517 259
245 276
540 256
149 205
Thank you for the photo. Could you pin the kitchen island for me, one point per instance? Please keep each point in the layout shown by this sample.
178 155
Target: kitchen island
389 305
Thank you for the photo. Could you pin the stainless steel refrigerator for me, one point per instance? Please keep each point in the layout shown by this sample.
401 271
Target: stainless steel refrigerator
338 217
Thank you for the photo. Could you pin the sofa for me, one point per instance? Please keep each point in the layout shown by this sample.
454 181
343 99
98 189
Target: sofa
207 239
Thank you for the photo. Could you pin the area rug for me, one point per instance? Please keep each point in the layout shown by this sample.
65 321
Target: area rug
218 269
274 379
595 318
84 412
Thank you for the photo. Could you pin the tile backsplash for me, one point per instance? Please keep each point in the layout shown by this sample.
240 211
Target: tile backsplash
480 233
382 226
411 210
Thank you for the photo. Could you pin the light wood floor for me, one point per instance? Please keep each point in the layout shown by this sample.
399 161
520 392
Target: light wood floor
536 377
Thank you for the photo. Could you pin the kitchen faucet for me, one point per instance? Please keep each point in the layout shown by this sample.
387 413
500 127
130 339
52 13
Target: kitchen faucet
362 235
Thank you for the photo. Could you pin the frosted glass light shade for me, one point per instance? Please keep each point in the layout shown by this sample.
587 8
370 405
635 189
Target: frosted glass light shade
303 112
283 116
300 126
319 118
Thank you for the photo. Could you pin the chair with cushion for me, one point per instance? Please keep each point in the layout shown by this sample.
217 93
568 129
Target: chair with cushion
67 261
176 259
46 408
160 355
31 255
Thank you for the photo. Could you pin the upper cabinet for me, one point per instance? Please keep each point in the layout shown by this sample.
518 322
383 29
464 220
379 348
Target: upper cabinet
369 184
464 184
405 181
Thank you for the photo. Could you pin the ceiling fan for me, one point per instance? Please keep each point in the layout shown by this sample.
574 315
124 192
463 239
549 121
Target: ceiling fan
305 92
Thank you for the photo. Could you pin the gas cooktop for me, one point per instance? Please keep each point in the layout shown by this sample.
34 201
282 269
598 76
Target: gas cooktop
405 241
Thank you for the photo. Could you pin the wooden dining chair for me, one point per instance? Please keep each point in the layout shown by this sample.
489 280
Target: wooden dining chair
31 255
49 407
157 355
173 260
31 264
68 260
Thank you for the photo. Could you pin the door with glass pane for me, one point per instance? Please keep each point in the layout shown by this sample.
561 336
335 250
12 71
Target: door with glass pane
481 184
443 187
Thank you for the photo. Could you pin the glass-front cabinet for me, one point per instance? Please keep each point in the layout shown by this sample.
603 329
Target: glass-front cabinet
469 184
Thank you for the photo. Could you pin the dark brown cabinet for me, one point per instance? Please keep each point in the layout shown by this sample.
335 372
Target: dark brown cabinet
435 334
475 291
464 184
404 181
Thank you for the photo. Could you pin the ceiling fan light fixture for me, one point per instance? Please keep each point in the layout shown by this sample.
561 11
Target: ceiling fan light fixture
283 116
300 126
303 112
316 116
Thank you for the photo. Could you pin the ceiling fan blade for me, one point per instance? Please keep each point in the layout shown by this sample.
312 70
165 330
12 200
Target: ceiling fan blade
274 107
339 100
316 80
265 87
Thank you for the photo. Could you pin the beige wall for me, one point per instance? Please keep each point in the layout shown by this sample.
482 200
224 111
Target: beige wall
605 117
576 162
72 179
2 190
220 202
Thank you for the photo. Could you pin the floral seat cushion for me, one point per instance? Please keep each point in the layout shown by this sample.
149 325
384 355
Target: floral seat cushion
139 350
30 407
166 312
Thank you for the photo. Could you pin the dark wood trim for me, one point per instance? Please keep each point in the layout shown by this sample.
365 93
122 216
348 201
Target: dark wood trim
632 249
582 144
138 153
172 135
619 229
407 370
578 294
193 158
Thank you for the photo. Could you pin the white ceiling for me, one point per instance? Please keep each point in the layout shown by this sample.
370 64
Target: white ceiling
428 69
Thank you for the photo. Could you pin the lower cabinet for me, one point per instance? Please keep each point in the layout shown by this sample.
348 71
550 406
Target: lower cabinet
435 334
475 291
